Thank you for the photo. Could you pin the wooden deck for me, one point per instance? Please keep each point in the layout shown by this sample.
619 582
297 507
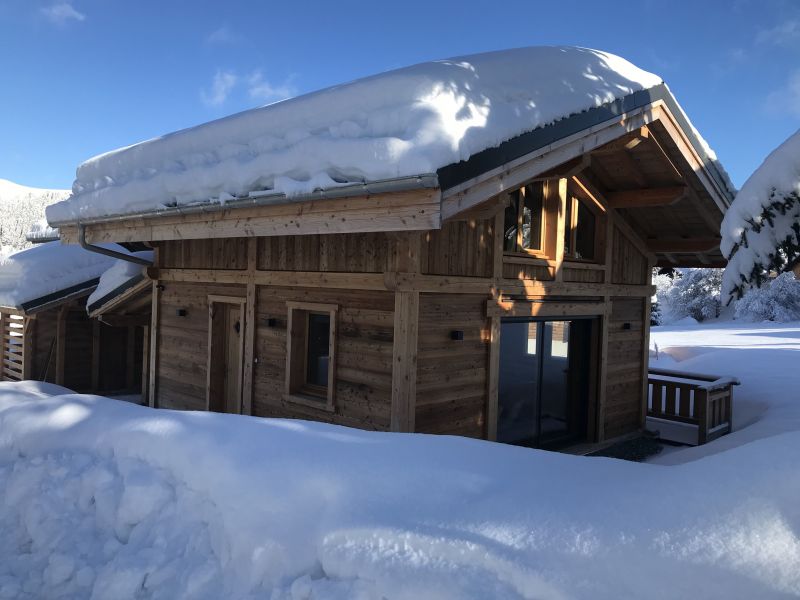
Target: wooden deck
689 408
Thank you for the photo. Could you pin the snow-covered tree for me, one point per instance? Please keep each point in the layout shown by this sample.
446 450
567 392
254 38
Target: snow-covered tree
777 301
761 230
695 293
20 209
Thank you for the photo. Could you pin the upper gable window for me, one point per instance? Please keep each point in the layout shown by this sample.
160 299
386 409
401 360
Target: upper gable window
580 230
524 219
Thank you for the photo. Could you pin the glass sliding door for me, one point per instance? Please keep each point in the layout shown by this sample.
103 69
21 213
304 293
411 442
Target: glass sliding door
545 381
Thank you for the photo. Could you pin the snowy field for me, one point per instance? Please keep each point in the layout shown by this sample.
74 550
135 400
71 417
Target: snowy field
106 499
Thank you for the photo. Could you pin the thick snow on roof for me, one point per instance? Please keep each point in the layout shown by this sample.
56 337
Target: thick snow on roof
407 122
47 268
40 230
777 178
118 275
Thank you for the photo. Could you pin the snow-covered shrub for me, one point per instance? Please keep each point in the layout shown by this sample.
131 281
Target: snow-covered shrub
694 294
656 317
778 301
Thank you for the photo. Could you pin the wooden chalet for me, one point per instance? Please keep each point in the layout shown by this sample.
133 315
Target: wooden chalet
505 297
51 338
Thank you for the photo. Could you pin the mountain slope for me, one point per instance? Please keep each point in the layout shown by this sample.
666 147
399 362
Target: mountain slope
20 208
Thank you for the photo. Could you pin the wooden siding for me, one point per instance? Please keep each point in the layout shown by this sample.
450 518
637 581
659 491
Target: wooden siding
582 275
363 356
225 253
183 343
355 253
452 375
461 248
44 345
519 269
626 356
78 351
628 264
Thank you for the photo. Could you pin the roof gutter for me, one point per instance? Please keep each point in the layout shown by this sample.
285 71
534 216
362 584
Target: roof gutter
105 251
268 198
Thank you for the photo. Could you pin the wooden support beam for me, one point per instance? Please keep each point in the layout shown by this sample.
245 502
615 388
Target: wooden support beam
249 329
28 345
61 330
683 245
647 197
125 320
145 362
627 142
130 362
153 353
557 189
95 385
404 361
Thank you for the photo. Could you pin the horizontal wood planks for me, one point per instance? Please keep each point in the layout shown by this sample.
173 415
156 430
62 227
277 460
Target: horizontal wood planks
452 375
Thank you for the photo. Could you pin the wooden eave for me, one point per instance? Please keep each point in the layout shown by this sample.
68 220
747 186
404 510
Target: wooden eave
642 165
53 300
128 299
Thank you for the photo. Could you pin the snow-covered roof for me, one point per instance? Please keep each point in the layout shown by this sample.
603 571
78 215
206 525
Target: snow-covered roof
776 180
117 279
40 232
403 123
49 269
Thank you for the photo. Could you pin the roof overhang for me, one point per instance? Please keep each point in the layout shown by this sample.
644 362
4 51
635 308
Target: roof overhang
54 299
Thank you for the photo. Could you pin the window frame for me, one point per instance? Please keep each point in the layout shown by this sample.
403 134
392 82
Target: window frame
574 197
297 387
518 250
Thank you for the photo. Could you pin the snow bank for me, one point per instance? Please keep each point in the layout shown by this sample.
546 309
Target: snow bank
51 267
118 275
406 122
775 181
104 499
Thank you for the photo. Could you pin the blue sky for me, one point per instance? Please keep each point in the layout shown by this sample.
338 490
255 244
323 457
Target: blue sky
82 77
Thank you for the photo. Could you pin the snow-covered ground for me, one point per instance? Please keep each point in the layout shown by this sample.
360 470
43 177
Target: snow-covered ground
106 499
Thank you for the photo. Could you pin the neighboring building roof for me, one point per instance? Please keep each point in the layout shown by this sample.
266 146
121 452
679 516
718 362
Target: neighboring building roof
120 279
449 117
47 273
41 232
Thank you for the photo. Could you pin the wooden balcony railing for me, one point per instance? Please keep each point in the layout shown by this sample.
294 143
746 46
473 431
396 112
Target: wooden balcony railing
689 407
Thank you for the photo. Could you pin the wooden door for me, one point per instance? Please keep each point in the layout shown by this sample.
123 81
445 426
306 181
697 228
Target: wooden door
225 353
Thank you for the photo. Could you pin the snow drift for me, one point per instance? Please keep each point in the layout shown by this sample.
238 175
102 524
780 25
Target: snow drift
106 499
776 182
33 273
407 122
119 274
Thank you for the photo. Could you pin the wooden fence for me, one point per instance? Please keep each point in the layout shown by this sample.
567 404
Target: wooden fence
12 347
680 404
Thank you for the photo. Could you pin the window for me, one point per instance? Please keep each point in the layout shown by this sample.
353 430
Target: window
310 364
523 220
580 227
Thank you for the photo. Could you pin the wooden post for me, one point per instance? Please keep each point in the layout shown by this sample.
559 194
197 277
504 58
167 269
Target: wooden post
28 343
560 188
701 414
3 345
95 385
152 367
61 338
493 377
248 356
145 362
404 361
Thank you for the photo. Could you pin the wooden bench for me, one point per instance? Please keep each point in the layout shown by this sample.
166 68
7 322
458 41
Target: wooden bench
689 408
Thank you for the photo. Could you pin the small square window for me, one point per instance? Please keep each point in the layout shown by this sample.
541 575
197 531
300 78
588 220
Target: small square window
310 364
